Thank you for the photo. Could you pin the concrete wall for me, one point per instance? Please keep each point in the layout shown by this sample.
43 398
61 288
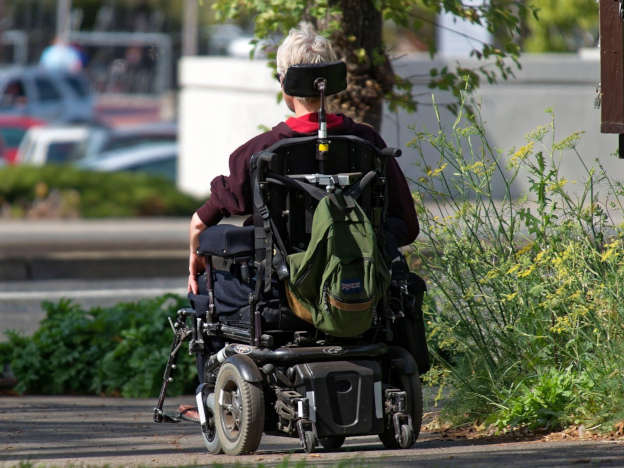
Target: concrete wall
224 101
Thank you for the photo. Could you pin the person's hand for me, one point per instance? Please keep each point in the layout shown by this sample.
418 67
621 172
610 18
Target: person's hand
197 265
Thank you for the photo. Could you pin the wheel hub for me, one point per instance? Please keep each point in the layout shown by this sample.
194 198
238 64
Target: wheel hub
231 409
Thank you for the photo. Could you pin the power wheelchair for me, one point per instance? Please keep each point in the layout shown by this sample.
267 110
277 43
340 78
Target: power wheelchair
262 369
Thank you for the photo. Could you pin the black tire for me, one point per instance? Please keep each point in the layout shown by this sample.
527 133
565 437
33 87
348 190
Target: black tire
332 442
209 430
411 384
239 412
407 437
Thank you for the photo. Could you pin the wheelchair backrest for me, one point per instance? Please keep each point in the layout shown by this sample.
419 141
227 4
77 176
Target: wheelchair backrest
291 209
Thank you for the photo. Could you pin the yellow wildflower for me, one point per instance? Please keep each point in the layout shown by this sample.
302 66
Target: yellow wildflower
476 167
526 248
558 185
522 153
610 252
435 172
510 297
526 272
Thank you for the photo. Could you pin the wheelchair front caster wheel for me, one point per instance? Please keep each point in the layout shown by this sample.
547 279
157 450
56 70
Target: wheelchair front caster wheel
239 411
309 441
406 438
209 430
332 442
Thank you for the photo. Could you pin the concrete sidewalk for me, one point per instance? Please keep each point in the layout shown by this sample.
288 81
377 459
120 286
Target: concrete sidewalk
92 431
117 248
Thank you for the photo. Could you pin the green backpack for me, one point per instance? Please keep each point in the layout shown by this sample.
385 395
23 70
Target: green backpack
337 282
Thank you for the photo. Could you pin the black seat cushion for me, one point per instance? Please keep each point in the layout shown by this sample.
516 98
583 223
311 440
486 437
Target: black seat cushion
231 299
230 294
227 240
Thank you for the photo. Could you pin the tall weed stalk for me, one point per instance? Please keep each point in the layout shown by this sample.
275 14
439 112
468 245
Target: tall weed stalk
525 309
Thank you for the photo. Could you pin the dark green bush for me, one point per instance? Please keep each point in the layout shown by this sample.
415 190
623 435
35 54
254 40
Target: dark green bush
120 350
96 194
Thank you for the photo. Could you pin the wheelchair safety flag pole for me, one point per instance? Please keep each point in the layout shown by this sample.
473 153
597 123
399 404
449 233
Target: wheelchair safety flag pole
323 143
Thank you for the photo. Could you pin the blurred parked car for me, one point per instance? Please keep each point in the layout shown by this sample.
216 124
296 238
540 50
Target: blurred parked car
157 159
242 47
50 145
12 131
103 141
220 36
46 94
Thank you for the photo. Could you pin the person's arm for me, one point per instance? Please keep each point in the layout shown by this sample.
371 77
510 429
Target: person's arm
197 263
401 203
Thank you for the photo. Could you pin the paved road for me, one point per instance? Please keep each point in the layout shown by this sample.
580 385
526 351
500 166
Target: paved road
96 431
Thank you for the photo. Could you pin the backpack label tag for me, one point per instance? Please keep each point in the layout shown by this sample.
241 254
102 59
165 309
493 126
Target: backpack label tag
351 286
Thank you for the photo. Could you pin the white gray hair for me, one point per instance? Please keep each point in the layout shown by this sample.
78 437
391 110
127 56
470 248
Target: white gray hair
303 45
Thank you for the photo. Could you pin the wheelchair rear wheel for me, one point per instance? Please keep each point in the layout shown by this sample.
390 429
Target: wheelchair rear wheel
411 385
239 412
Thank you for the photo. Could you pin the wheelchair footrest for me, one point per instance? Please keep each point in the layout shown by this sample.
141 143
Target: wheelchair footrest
161 417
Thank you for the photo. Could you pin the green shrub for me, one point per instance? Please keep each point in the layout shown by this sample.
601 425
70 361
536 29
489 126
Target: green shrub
92 194
526 301
544 402
115 350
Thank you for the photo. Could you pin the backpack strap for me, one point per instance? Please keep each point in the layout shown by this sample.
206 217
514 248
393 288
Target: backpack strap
310 189
270 230
317 193
355 190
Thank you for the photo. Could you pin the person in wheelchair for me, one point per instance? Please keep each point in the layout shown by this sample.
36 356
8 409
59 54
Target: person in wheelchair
232 195
322 190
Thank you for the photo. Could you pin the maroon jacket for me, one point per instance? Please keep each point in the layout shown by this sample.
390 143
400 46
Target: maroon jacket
231 195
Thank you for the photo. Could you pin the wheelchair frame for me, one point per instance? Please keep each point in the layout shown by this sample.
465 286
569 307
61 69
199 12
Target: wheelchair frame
375 384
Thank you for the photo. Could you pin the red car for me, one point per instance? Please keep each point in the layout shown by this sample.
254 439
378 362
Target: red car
12 130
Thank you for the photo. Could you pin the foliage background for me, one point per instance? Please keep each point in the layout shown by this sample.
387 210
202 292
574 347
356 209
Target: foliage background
524 308
561 26
120 350
65 191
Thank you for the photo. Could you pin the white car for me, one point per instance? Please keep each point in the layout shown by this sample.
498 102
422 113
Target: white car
157 159
105 141
50 145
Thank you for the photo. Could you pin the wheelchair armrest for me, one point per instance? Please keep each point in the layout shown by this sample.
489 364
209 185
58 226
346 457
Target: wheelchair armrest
227 240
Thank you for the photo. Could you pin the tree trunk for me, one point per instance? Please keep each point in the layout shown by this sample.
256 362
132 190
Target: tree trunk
369 72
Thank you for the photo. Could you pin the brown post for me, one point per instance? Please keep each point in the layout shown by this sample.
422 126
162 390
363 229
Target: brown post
611 67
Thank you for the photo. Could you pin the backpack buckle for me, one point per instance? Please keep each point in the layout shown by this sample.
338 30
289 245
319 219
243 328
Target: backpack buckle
263 211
